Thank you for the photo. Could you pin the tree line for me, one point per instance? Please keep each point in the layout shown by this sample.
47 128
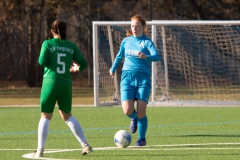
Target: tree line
25 24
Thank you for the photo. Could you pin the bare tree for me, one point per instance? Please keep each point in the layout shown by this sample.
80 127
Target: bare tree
25 24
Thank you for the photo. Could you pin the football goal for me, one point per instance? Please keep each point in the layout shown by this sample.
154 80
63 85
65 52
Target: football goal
200 62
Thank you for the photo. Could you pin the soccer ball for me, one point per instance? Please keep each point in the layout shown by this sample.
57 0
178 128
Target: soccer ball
122 138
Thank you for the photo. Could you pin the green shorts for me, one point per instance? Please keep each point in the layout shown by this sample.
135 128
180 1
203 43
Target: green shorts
55 90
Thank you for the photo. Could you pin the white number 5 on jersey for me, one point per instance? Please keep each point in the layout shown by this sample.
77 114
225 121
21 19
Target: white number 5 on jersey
61 69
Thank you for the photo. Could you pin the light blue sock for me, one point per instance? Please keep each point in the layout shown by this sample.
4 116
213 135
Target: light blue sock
142 127
133 115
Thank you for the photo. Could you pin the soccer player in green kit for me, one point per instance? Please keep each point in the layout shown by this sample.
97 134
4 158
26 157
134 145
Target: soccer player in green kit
57 56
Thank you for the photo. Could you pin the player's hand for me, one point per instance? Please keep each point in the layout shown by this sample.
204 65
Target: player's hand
111 73
74 68
141 55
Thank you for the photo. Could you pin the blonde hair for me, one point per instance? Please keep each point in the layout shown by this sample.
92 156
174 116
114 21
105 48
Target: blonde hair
143 22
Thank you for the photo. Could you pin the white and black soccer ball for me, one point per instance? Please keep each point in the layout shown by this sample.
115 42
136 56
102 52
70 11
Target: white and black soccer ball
122 138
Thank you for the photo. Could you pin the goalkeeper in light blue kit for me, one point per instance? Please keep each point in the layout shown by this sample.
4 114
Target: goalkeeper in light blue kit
138 52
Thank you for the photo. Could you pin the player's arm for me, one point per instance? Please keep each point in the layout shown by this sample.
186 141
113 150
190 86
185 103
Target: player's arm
117 60
80 59
42 60
154 56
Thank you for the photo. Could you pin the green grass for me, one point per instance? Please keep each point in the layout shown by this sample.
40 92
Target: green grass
31 96
84 95
174 133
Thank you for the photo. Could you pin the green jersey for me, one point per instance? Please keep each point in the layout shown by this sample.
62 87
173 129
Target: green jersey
57 57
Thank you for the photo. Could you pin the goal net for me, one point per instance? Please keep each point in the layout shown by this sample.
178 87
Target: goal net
200 62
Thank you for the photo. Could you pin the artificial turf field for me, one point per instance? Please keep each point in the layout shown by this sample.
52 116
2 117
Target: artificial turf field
174 133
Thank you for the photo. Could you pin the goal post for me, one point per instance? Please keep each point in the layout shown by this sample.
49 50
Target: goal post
200 62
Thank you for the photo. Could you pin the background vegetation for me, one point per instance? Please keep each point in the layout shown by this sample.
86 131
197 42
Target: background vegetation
24 25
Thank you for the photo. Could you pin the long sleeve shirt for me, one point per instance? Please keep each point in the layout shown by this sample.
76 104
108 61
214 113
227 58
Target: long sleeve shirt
129 49
57 56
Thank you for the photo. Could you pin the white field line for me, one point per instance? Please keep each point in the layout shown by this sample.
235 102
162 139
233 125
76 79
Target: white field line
110 148
30 155
200 144
152 147
113 148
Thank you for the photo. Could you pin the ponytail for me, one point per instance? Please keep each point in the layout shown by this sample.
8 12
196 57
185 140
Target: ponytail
60 28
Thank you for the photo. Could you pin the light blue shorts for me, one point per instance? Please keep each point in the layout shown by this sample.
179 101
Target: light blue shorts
135 85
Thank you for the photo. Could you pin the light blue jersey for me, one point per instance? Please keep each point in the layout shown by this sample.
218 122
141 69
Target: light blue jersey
135 78
129 49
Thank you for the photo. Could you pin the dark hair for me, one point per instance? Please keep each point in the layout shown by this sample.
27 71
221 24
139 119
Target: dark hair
143 22
60 28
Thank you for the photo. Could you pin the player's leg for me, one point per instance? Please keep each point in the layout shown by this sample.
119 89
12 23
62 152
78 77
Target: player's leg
128 109
142 95
47 104
75 127
65 107
142 123
77 130
128 98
